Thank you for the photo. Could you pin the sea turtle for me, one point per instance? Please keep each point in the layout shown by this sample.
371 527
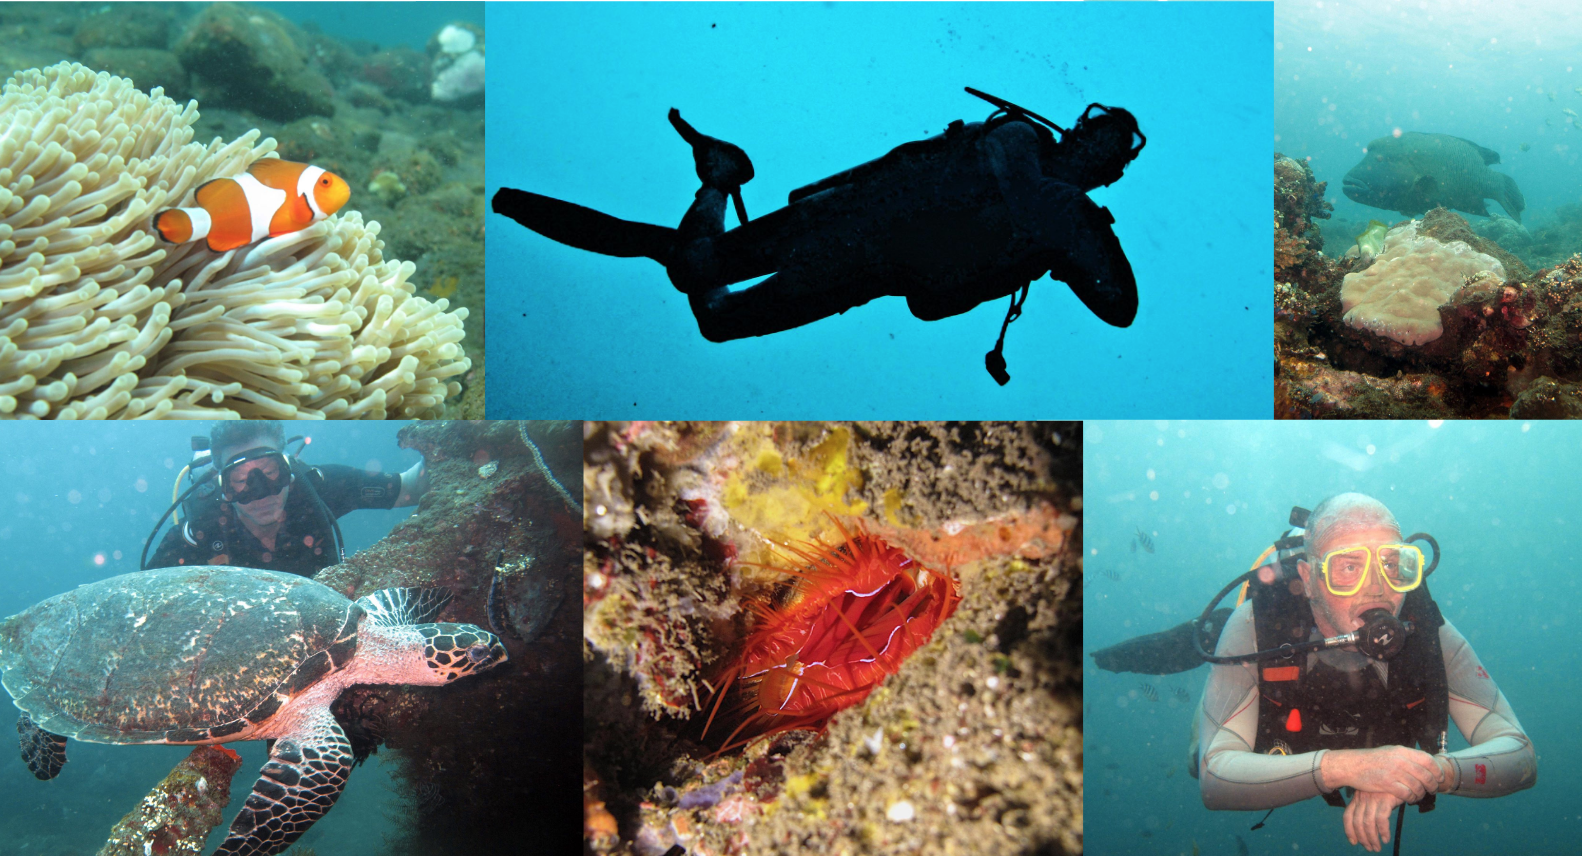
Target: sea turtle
208 654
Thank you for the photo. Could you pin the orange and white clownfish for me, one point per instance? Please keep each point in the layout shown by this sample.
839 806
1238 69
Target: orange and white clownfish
274 197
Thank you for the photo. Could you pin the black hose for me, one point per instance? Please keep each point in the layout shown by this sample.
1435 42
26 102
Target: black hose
143 562
1400 815
324 514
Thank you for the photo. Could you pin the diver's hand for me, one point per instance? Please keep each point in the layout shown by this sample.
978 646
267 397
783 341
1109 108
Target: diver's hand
414 483
1367 819
1406 774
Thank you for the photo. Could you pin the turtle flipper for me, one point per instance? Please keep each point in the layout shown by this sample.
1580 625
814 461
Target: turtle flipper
303 778
43 752
396 606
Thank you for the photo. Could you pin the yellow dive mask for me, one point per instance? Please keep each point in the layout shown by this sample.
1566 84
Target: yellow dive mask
1346 570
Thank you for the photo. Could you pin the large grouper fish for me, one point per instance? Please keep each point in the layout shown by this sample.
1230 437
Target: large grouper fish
206 654
1415 172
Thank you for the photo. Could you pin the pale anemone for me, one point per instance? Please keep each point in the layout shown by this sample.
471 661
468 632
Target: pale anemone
101 319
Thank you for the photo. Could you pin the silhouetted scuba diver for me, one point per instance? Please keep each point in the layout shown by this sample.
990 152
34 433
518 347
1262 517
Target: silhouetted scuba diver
974 214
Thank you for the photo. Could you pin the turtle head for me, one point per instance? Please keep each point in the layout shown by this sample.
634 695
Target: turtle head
452 651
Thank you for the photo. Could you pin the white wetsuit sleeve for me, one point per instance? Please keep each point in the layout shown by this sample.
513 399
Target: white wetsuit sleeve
1500 760
1232 776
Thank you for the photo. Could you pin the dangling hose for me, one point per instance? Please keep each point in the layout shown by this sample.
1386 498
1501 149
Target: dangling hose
994 360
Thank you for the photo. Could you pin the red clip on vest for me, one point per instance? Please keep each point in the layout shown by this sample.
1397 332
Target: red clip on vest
1294 721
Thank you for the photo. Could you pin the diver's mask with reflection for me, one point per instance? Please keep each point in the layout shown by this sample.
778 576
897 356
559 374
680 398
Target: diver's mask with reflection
1101 145
255 474
1346 570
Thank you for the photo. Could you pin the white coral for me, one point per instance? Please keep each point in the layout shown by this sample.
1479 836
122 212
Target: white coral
98 318
1399 295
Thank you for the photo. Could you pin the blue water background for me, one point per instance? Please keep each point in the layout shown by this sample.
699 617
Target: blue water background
577 101
384 24
1348 72
1502 499
72 493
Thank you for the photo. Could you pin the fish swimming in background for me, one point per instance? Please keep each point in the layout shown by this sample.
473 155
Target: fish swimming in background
1149 692
1579 90
1181 695
1143 539
1415 172
1551 95
1241 847
1569 112
1526 146
1111 574
1195 851
273 197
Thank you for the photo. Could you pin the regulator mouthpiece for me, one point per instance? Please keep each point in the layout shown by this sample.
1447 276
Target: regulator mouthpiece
1382 635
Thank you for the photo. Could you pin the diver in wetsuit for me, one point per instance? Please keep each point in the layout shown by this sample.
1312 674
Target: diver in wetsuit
273 512
1364 704
971 215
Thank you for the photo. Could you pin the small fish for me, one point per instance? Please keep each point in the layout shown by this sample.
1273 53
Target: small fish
1526 146
1241 846
1551 95
1195 851
1579 90
1569 112
1149 692
1180 694
1143 539
1111 574
273 197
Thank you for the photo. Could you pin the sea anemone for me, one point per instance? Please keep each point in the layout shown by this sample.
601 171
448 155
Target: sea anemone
99 319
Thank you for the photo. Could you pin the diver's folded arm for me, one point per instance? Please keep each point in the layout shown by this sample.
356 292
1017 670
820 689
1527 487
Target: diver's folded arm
1501 759
1233 777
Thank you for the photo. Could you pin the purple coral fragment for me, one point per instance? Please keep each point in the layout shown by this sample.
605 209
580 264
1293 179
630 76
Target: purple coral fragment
708 795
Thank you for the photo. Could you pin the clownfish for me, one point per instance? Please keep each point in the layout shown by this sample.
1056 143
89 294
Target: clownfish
274 197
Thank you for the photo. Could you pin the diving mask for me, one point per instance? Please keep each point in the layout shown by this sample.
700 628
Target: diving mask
255 474
1346 570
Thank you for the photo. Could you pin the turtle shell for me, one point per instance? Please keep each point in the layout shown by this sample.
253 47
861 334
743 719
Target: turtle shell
176 655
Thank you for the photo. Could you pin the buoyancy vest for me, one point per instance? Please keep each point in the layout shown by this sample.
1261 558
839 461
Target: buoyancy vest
1308 705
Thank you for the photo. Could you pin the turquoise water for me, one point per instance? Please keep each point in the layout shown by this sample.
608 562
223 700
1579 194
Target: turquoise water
74 493
1498 72
373 22
577 100
1501 500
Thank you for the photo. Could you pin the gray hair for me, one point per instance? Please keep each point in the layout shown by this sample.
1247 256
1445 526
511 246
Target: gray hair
1345 511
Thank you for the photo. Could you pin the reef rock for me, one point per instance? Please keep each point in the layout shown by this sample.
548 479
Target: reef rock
1548 398
118 25
1298 200
255 60
145 67
1310 391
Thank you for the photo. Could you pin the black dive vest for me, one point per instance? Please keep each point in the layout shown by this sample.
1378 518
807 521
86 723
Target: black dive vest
1305 707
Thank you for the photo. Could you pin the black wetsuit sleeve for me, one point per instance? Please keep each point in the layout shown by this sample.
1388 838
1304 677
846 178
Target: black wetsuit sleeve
174 550
345 489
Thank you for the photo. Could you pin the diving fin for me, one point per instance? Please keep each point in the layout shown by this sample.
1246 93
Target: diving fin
1164 653
584 228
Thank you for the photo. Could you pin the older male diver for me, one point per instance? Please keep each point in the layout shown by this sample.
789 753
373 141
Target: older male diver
974 214
1336 674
